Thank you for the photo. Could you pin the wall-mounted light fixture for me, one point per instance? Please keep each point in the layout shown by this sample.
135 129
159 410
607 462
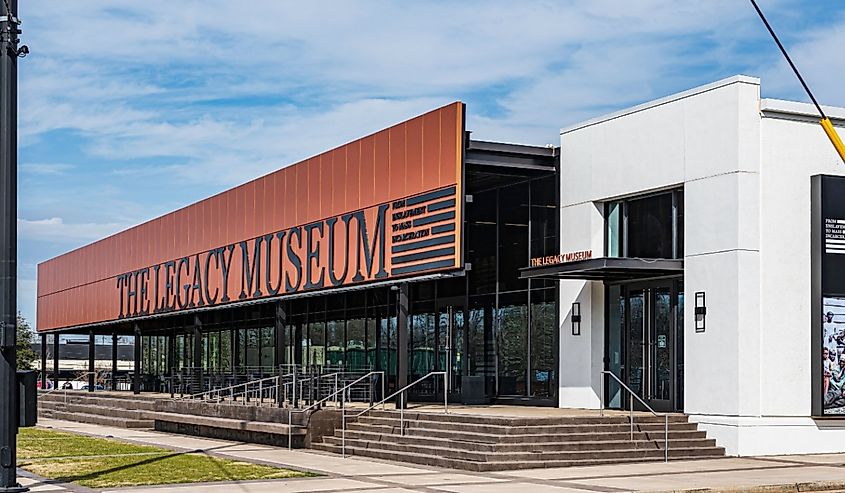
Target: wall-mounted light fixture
576 318
700 311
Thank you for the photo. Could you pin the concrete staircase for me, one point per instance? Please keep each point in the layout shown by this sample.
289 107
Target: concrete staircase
493 443
93 408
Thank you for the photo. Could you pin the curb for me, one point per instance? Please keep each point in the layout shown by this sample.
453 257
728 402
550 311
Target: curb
770 488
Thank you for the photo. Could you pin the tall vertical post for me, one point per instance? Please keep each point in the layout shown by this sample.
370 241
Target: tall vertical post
92 350
402 333
198 378
136 370
43 361
8 243
280 321
114 361
56 337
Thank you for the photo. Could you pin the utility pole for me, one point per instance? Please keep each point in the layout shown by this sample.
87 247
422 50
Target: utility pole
9 54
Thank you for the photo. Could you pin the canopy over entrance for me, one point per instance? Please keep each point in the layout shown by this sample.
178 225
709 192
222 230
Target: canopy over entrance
608 269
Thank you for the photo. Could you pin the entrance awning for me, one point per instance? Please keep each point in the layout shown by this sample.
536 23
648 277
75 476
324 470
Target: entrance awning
608 269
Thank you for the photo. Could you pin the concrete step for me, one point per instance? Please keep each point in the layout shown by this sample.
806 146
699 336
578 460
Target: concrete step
473 454
98 419
526 421
521 430
503 465
597 443
93 399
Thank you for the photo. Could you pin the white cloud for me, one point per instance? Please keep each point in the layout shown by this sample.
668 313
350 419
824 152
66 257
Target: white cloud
54 229
46 168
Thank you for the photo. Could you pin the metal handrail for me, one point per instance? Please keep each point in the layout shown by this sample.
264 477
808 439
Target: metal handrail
326 398
77 379
231 389
401 405
633 394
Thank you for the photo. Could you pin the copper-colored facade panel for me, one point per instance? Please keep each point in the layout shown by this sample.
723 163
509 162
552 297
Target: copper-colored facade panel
432 150
338 175
367 182
397 161
413 154
378 187
353 180
382 166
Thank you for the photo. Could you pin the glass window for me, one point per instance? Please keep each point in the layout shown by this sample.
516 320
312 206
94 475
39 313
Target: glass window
512 343
334 338
646 227
481 242
614 229
513 236
543 350
356 340
268 346
251 344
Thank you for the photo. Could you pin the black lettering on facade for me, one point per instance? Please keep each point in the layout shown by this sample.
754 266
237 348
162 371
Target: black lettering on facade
225 264
273 290
157 306
251 271
294 260
196 285
337 281
120 283
216 254
312 256
182 290
169 302
145 288
371 250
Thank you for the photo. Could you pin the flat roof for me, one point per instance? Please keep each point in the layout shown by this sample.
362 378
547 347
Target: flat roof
736 79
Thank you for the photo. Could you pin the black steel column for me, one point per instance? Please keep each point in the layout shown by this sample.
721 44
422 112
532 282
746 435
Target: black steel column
43 361
136 371
402 333
171 358
8 243
56 360
198 383
114 361
280 321
92 349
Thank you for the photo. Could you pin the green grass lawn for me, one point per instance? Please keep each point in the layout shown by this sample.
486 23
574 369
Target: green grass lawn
103 463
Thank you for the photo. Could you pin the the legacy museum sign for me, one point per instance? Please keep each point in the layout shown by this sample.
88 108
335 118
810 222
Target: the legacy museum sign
386 206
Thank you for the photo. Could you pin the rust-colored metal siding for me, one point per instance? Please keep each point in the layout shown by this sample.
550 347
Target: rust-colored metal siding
405 161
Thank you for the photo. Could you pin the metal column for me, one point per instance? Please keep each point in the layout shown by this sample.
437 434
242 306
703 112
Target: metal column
402 334
280 321
114 361
43 361
56 360
136 373
8 243
92 350
198 378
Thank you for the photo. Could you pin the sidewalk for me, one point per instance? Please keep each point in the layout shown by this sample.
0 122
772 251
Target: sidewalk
360 475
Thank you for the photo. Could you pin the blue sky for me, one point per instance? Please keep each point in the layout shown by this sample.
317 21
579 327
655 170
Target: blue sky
131 109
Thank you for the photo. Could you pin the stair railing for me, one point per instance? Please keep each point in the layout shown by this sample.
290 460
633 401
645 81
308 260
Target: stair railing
269 385
631 401
401 392
64 391
338 392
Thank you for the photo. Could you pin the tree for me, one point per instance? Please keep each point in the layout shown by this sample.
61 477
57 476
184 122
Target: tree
26 356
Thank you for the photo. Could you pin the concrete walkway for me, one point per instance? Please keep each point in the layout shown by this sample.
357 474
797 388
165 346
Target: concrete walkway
360 475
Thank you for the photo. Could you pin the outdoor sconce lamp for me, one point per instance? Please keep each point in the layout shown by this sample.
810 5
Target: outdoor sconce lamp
576 318
700 311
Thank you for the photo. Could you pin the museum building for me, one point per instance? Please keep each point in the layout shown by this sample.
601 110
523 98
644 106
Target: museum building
690 246
398 252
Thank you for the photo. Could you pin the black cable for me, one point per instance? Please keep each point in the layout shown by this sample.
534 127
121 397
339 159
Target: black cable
786 55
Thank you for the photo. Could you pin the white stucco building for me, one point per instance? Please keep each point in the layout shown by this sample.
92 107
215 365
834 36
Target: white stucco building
715 181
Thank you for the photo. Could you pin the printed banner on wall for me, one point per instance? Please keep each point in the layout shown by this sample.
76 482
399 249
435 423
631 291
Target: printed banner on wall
828 261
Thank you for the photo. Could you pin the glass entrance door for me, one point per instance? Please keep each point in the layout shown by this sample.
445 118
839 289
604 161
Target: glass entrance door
437 344
653 352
